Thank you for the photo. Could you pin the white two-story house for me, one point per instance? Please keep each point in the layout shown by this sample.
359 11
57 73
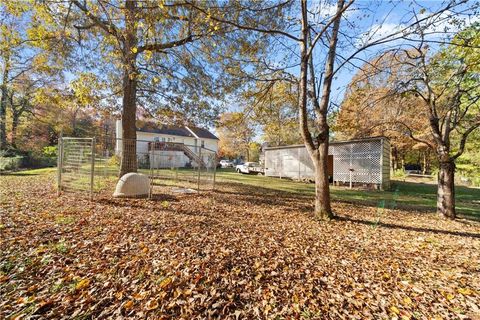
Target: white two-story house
171 146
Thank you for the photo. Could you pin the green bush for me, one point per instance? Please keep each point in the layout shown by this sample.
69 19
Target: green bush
114 161
13 159
10 152
476 181
11 163
399 174
50 151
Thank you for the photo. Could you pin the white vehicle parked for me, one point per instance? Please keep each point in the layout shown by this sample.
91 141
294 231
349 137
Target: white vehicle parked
226 163
250 168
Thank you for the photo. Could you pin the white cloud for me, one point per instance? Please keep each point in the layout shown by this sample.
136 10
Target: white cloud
379 31
448 22
324 10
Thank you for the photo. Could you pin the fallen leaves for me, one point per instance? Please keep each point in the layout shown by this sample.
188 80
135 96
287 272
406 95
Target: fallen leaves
152 305
240 253
82 284
129 304
165 283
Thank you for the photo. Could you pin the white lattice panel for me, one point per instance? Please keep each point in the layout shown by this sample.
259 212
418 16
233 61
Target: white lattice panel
361 160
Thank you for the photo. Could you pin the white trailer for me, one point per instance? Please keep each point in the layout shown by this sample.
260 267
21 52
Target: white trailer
362 161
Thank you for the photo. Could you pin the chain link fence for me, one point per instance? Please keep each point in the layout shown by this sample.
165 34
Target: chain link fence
94 165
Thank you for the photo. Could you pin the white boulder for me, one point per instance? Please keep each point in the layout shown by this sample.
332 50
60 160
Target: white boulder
132 185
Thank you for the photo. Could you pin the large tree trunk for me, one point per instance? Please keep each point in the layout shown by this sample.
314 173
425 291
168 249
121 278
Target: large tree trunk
323 209
129 142
446 190
3 106
318 149
129 114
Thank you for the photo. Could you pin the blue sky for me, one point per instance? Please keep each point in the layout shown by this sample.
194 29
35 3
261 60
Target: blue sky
376 19
364 23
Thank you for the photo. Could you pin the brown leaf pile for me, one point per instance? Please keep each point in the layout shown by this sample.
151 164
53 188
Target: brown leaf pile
239 253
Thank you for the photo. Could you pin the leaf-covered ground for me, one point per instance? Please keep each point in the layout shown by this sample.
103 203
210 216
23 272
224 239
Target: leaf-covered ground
239 253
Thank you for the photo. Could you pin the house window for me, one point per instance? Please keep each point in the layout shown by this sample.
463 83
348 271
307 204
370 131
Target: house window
163 139
203 144
156 139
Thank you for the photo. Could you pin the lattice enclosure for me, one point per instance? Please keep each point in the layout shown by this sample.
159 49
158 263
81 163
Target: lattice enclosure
361 161
357 162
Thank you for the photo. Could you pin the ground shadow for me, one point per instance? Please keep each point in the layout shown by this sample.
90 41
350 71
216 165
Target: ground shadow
408 228
133 203
362 198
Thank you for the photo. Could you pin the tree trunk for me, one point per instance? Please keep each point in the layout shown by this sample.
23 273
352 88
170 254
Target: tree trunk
323 210
426 163
13 137
3 106
129 114
317 150
129 138
394 159
446 190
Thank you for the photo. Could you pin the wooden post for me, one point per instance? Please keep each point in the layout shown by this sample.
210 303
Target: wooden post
59 164
177 163
92 168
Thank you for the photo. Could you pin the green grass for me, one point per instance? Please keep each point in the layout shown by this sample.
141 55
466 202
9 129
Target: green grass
409 195
403 194
32 172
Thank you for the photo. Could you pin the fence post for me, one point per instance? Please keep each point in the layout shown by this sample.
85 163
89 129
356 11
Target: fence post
59 164
214 170
299 163
199 166
92 168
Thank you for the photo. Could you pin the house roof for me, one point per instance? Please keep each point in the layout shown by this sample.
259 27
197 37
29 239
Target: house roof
190 131
202 133
331 143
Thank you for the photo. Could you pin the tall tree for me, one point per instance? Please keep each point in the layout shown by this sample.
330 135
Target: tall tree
314 45
30 55
10 43
449 87
369 110
146 45
274 109
236 133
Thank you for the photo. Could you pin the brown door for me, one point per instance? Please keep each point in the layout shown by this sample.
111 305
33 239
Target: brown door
330 166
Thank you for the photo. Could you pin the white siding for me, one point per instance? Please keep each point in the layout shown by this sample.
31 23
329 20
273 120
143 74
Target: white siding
386 164
366 158
144 137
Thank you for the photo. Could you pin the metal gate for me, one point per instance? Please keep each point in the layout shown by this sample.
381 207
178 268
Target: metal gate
76 164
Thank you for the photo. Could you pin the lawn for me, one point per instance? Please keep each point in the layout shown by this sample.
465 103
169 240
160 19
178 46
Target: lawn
420 196
249 250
